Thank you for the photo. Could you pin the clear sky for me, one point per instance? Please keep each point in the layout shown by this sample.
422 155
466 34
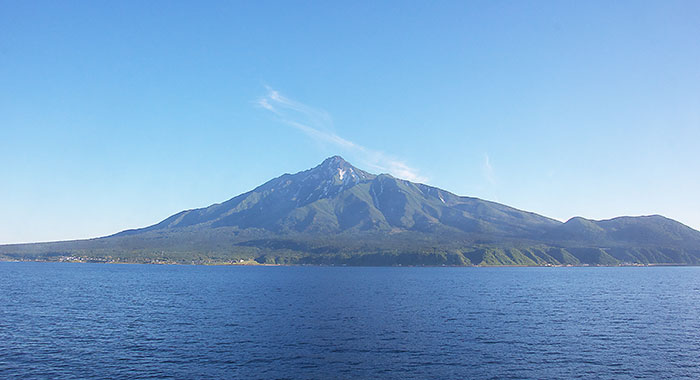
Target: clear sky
117 114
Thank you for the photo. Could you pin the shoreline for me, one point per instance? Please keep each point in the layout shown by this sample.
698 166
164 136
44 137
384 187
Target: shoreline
253 263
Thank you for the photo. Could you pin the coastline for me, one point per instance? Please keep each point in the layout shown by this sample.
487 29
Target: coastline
253 263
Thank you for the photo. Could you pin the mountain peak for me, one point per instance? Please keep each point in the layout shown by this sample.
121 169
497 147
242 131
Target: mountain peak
337 170
335 162
336 167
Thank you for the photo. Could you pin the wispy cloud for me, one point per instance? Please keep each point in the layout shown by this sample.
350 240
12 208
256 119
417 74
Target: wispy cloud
490 178
316 124
487 170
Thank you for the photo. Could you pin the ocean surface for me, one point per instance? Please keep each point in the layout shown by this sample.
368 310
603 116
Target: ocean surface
100 321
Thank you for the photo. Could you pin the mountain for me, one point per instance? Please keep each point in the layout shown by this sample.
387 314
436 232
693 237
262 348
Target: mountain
336 197
336 213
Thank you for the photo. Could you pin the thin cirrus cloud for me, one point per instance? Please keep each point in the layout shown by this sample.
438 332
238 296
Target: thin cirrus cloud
488 171
315 123
490 176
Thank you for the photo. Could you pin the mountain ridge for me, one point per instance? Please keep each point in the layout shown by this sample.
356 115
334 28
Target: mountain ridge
336 213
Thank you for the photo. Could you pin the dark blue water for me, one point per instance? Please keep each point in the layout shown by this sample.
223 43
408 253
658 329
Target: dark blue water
97 321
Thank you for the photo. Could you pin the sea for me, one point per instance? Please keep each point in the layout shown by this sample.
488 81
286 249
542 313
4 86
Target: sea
108 321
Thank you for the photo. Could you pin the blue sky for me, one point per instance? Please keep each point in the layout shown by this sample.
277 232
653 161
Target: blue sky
114 115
